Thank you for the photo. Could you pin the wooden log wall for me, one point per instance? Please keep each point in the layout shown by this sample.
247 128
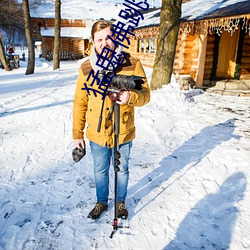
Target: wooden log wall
73 45
186 55
50 22
47 45
79 46
66 44
178 61
146 57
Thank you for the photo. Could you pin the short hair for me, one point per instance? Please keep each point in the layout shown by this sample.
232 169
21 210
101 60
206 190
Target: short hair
100 25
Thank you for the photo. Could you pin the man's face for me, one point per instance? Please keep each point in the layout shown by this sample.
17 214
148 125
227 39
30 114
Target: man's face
101 40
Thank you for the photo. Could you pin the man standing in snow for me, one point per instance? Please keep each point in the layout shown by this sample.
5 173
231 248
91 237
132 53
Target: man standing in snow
87 107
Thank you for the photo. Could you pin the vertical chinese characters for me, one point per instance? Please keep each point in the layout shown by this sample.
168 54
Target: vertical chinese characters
120 32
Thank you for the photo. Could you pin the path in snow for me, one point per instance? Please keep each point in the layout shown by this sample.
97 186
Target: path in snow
189 170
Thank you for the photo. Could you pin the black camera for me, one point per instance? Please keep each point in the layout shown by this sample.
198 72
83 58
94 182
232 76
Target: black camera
122 82
78 153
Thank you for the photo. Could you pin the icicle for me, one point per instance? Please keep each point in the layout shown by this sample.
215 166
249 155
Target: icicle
216 25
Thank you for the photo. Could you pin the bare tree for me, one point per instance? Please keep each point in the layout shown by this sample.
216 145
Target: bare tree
3 57
36 3
56 59
169 27
11 24
28 33
11 16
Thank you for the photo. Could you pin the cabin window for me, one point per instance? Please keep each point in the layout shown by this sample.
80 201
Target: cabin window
146 45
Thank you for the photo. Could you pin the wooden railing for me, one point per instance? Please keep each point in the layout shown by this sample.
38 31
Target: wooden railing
64 55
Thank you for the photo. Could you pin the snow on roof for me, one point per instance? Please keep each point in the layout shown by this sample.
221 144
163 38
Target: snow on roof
80 32
201 9
197 9
150 19
192 10
38 42
79 9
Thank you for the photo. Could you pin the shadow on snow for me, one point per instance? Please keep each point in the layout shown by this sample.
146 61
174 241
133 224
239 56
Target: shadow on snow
190 153
210 223
23 110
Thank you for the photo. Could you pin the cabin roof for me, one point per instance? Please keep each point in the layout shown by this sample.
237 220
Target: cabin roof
78 10
208 9
76 32
196 10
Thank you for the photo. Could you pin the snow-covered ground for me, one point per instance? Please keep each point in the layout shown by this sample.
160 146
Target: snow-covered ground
189 170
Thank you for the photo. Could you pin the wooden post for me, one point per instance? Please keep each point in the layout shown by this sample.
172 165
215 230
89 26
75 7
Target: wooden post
140 42
201 60
144 45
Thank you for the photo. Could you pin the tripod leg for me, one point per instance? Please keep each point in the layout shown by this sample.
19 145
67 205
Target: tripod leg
116 161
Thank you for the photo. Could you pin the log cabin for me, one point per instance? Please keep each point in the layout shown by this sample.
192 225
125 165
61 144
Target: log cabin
74 37
76 22
213 41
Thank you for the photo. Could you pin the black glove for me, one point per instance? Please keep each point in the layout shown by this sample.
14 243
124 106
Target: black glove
78 153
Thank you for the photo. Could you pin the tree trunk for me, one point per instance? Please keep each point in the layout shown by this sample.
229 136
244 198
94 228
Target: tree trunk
56 59
28 33
3 57
168 34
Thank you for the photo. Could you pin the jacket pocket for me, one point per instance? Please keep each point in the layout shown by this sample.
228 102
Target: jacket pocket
127 120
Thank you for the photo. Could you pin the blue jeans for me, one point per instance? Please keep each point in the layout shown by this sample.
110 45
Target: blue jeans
102 158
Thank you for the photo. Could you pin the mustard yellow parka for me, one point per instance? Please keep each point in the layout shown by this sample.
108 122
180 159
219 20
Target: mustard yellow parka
87 106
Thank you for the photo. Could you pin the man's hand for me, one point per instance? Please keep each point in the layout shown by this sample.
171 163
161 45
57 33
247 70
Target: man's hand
78 152
123 97
79 143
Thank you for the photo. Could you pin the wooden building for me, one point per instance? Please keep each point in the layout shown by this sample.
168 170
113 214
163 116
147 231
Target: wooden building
74 37
211 45
77 19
